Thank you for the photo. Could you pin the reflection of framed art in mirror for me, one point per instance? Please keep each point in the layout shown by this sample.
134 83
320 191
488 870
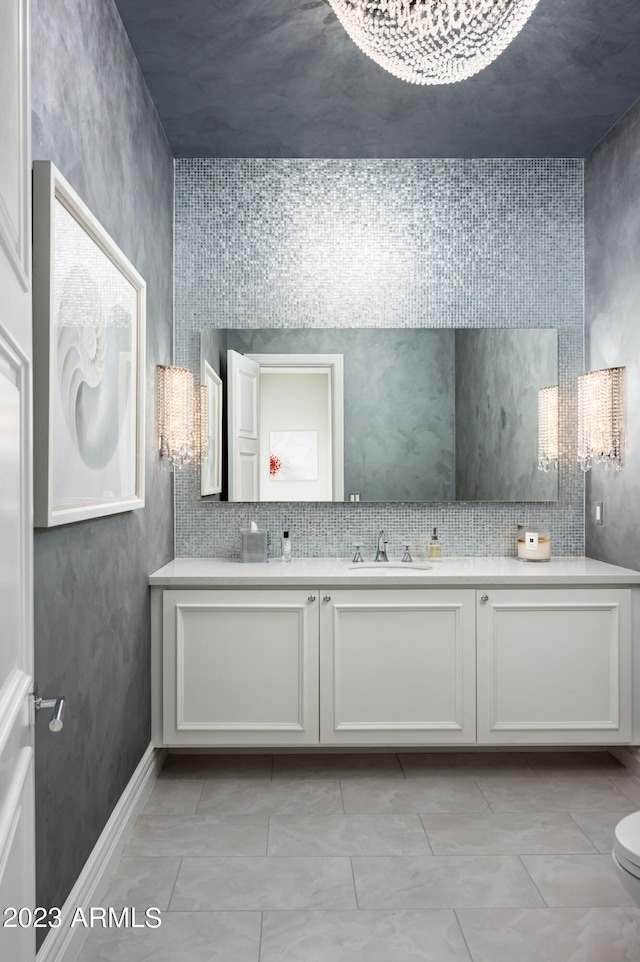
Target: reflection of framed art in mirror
211 470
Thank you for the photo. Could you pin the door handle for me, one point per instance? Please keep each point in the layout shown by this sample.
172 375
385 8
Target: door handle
55 722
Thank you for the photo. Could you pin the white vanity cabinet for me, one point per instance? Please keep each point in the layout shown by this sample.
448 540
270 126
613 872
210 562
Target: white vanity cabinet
554 666
314 653
240 667
397 666
297 667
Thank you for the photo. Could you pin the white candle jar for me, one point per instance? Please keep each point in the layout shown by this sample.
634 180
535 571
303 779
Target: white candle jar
534 543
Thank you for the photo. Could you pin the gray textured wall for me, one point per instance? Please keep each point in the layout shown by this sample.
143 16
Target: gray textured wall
612 327
498 374
399 405
93 118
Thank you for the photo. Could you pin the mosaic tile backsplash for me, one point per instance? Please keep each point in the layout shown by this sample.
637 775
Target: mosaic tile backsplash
381 243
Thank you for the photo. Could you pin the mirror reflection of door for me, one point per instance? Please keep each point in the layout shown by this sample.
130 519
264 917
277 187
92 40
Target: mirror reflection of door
243 399
298 425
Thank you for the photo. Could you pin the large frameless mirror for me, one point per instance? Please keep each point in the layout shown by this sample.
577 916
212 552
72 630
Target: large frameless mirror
383 414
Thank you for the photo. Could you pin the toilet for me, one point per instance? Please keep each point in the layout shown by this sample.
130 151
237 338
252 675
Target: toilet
626 854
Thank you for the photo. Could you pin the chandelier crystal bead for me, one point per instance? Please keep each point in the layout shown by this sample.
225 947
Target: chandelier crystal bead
433 41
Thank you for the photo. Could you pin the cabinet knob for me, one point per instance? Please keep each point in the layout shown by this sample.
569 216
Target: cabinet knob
311 598
484 599
326 597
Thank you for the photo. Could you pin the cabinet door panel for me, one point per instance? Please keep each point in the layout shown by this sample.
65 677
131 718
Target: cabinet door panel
398 667
240 667
554 666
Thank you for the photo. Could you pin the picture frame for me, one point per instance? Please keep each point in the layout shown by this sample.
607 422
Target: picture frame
293 456
211 464
89 305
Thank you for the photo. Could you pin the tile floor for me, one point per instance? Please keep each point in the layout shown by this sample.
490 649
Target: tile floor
447 857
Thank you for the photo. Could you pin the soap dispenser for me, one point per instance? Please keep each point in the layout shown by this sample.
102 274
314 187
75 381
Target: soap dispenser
435 548
286 547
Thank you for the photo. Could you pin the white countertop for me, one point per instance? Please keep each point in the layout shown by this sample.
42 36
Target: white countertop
321 572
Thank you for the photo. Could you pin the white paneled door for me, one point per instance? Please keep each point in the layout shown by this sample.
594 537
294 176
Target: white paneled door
243 398
17 848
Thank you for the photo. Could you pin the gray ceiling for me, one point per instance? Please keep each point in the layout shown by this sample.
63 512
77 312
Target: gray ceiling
280 78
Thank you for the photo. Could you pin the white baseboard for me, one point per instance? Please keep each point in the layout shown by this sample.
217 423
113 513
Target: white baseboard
64 943
628 756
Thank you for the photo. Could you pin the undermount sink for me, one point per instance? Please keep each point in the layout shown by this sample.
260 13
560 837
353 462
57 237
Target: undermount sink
397 565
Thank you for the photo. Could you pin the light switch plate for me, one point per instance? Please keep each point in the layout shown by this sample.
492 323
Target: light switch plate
599 512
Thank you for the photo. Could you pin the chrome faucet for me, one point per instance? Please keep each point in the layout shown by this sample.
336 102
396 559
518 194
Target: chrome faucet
381 553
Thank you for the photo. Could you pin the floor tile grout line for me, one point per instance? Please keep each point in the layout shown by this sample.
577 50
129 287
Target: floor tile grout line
621 790
424 829
464 937
200 797
484 798
387 855
632 909
580 828
260 937
173 887
344 856
344 811
355 887
546 904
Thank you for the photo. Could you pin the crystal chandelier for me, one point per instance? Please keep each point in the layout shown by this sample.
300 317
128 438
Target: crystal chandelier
433 41
601 417
548 428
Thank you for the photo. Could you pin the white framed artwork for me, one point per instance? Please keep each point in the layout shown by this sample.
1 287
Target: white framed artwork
89 361
211 467
293 455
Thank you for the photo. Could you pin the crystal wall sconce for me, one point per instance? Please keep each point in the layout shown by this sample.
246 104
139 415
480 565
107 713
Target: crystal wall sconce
601 396
548 428
179 414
